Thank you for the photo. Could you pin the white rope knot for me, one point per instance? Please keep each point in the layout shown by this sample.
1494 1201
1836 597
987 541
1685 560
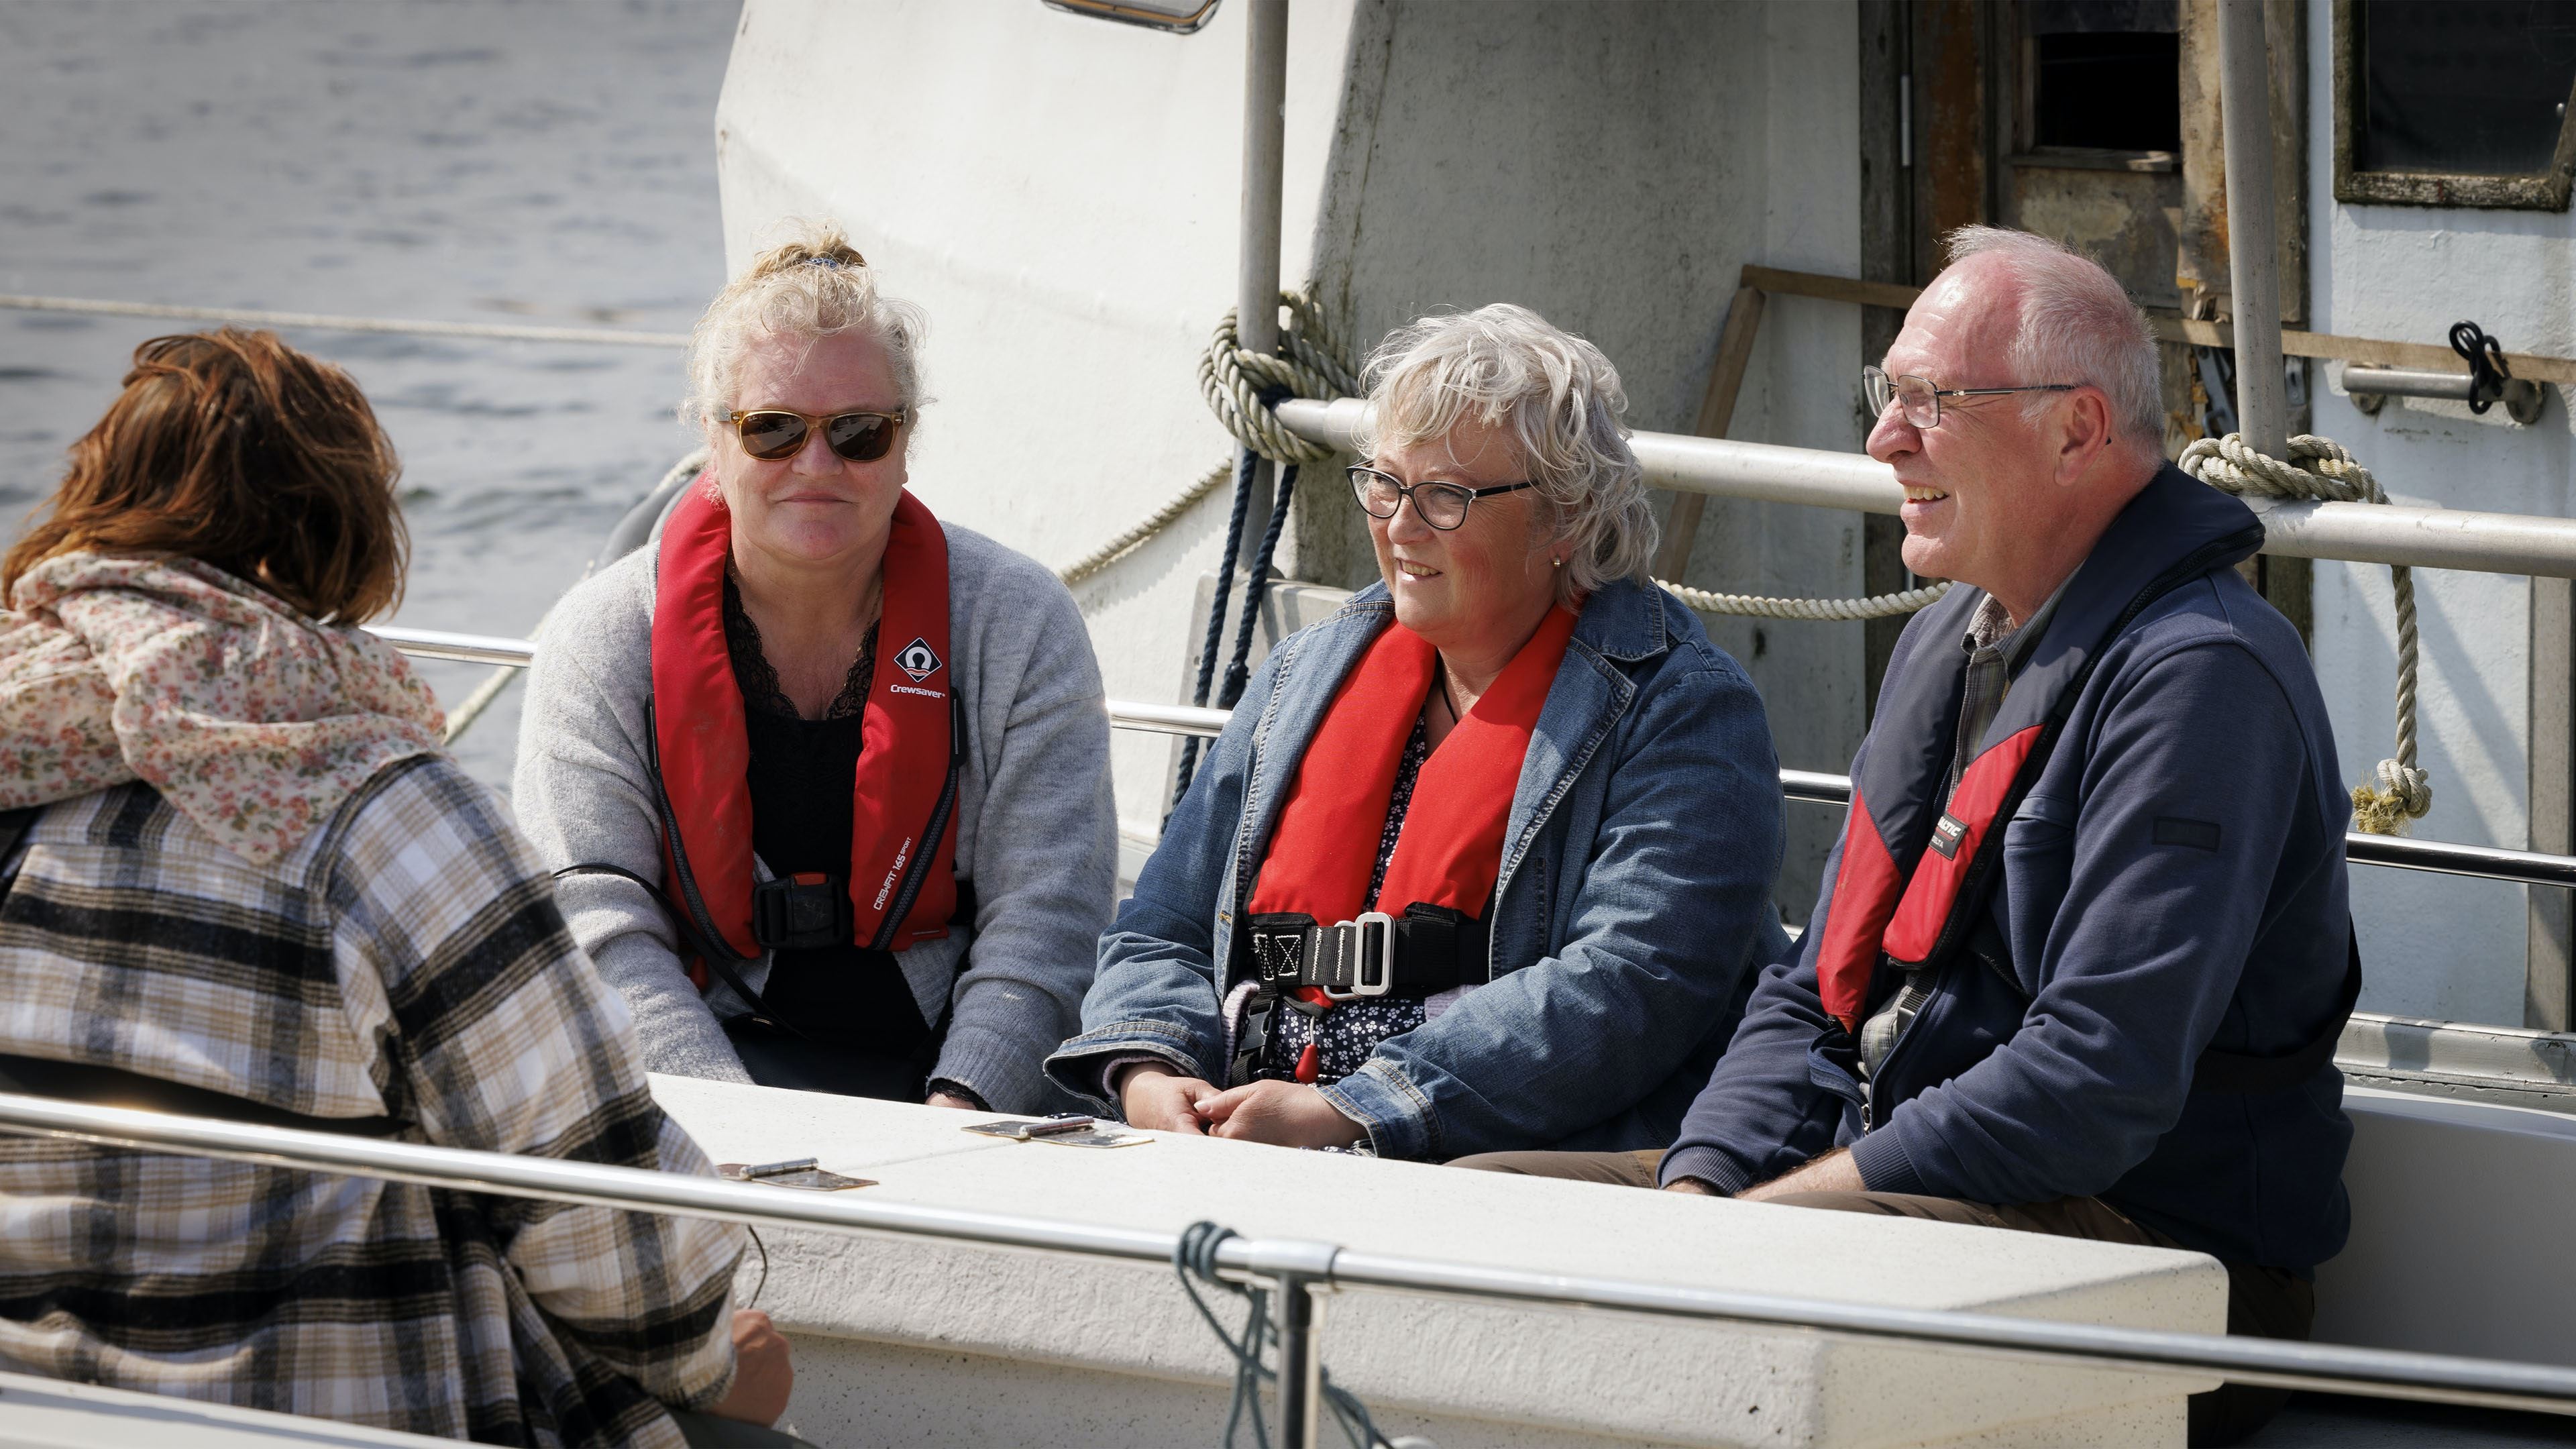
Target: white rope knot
2321 469
1308 365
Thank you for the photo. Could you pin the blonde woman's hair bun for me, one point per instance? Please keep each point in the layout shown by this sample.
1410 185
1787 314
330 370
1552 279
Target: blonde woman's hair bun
825 247
814 285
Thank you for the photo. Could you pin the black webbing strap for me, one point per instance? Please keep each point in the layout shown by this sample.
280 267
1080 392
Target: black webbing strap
1435 950
2220 1071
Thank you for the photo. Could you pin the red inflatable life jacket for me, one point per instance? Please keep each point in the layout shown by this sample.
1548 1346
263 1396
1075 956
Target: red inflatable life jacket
903 826
1324 849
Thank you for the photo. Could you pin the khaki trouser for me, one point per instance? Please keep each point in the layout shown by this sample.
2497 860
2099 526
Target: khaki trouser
2261 1302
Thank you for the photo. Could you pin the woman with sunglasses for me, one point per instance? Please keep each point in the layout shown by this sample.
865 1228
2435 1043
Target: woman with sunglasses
1485 860
826 780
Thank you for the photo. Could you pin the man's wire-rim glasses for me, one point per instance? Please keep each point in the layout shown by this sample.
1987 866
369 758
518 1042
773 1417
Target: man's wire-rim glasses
1441 505
1923 401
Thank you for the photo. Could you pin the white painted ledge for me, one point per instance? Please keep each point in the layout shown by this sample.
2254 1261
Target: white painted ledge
42 1413
2459 1212
906 1341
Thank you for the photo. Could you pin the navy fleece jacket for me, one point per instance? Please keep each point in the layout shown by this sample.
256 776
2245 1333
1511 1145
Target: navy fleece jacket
2173 881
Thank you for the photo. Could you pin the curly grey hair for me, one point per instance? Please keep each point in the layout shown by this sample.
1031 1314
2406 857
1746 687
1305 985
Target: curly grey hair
812 287
1561 400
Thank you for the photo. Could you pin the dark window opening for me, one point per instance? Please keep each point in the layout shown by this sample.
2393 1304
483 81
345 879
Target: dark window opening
2467 87
2117 91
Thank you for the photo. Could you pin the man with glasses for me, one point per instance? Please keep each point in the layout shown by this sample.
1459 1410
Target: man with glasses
2082 956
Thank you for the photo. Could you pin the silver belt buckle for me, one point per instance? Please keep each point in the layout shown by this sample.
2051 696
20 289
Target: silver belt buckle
1369 977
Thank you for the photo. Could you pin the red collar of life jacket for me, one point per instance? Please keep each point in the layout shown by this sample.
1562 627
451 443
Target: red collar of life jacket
903 827
1917 866
1450 851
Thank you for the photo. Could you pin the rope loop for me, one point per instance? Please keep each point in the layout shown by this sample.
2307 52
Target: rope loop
1245 388
2321 469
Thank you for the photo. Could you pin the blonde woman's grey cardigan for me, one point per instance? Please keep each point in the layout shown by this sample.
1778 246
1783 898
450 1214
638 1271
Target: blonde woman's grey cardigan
1036 830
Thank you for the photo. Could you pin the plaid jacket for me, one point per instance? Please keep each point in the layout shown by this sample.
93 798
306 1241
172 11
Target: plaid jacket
408 961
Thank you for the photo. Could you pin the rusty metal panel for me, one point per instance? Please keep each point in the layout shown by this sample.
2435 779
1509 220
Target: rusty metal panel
2124 219
1950 141
2200 273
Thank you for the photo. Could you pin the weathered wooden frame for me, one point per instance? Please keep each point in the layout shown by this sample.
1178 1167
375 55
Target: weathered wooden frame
2540 191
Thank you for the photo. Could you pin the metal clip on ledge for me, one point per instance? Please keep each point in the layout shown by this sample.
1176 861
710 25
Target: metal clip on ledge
2487 382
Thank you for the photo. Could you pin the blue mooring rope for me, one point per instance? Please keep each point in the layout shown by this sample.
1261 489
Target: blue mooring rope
1194 1260
1243 468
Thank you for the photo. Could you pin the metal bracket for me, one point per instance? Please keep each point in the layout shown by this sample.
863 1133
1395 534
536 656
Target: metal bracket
1371 927
801 1172
2371 387
1059 1131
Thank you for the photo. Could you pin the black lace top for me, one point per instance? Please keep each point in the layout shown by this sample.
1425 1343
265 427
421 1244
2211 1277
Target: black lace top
801 775
759 682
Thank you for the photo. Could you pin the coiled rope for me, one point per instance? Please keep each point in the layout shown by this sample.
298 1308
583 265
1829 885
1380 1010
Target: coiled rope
1194 1261
1234 389
1244 388
1876 606
1154 523
2320 469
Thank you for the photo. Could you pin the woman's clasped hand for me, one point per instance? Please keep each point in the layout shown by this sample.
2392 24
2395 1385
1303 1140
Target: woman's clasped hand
1290 1114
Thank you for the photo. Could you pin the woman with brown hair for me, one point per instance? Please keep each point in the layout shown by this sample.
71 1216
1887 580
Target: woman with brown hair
242 880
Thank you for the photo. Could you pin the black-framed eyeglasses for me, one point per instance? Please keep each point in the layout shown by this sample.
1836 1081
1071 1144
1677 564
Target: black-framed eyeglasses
1441 505
1923 401
770 434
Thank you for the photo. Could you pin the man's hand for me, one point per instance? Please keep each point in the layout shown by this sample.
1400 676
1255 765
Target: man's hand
951 1099
1691 1185
762 1376
1157 1098
1832 1172
1286 1114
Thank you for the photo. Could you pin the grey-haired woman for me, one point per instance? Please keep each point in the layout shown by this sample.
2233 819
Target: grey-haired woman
1485 860
831 777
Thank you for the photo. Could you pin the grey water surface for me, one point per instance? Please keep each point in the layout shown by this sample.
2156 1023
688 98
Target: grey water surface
460 160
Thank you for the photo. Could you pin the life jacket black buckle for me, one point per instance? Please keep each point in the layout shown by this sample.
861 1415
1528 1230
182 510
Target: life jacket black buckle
1279 945
802 912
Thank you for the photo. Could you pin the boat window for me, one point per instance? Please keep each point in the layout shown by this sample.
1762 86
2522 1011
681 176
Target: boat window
2095 134
2101 77
2116 90
2455 102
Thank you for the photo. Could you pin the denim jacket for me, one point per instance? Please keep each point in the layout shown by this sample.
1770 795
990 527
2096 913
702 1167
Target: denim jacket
1631 914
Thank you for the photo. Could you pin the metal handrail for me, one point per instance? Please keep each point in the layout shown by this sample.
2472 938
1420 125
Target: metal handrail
2378 1373
2490 862
2443 857
463 648
2503 543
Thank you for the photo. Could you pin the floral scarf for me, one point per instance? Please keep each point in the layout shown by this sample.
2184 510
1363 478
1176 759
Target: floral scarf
250 719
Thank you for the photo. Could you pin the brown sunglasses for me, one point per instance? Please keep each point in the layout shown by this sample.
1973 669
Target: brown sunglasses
770 434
